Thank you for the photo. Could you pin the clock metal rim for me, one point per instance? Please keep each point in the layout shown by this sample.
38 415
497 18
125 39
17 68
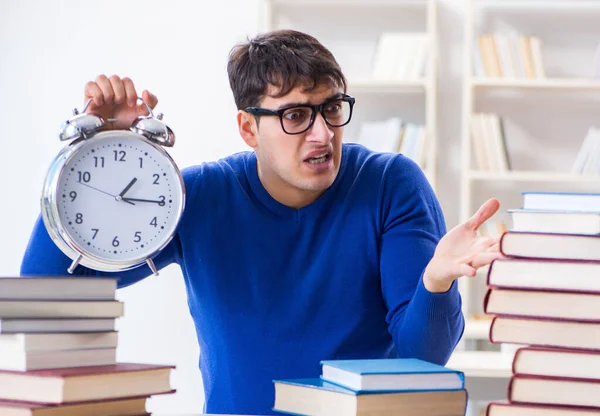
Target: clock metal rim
58 233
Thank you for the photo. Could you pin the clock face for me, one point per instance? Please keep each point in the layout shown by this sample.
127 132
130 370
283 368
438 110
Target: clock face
119 198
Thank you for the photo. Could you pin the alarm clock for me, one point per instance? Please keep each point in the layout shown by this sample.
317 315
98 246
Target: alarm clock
112 199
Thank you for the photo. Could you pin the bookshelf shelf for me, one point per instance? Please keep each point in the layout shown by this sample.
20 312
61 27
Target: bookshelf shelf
547 84
525 176
537 5
418 86
356 3
486 364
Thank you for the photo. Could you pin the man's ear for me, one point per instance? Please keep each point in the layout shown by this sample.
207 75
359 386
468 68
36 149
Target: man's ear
247 127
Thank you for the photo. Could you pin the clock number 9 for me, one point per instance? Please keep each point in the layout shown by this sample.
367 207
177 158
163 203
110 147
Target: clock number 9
73 195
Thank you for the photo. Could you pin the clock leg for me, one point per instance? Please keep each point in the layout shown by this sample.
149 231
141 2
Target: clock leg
73 265
152 266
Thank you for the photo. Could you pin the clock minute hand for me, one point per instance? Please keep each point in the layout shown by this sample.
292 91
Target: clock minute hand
159 202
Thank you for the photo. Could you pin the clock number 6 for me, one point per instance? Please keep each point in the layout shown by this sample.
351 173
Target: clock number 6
115 242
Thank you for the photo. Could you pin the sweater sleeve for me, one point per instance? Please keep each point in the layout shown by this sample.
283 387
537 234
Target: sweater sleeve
423 325
43 258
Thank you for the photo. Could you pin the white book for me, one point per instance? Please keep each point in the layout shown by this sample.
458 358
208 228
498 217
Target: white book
43 360
478 141
585 152
563 222
32 325
385 57
504 55
58 341
58 288
536 54
419 66
381 136
60 309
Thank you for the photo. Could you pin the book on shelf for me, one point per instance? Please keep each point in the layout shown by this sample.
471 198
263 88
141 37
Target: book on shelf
508 55
400 56
78 384
121 407
394 136
543 245
551 362
58 288
319 397
587 160
399 374
562 222
489 142
517 409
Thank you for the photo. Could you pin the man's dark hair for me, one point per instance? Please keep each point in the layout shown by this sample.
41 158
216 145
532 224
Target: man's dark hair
284 59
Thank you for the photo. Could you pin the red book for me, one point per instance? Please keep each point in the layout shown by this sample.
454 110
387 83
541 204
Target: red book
71 385
121 407
545 333
543 304
550 245
545 274
552 362
554 391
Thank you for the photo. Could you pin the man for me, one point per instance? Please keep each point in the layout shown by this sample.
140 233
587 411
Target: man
305 248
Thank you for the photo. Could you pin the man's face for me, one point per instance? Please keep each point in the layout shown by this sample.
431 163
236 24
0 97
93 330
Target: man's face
298 166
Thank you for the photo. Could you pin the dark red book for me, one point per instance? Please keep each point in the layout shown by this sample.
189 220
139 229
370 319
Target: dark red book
71 385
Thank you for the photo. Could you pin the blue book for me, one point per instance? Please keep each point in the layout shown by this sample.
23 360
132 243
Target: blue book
395 374
562 201
316 396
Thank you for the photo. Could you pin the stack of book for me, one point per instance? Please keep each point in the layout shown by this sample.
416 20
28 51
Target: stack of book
544 296
58 351
376 388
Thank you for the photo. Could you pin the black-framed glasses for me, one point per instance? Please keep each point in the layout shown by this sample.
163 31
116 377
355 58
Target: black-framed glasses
297 119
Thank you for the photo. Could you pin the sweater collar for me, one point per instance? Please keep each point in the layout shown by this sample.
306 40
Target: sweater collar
277 207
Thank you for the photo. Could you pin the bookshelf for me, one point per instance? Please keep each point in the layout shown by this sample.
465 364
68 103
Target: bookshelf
546 116
352 30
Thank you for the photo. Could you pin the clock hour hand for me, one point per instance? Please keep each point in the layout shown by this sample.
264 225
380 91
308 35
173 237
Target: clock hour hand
100 190
129 185
160 202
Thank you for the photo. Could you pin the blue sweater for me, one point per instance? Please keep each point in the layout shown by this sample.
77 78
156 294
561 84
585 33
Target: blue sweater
274 290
